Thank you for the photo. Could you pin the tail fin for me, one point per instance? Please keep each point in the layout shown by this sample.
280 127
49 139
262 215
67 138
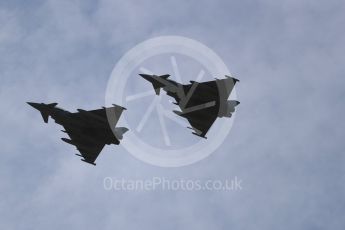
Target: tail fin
119 132
228 109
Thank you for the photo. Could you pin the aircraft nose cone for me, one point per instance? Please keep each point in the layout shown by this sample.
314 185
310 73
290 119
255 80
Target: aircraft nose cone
37 106
146 77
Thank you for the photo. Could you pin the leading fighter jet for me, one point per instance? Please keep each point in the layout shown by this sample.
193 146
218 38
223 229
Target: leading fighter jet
89 131
200 103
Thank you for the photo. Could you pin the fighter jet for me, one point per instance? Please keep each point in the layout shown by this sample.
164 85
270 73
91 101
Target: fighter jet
200 103
89 131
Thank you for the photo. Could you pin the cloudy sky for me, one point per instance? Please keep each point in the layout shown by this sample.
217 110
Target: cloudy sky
286 144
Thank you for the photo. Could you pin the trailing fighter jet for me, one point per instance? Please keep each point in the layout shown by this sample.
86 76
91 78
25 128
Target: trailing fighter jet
89 131
200 103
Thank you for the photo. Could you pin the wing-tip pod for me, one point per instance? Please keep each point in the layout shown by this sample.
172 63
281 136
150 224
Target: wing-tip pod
197 132
234 79
86 161
199 135
120 107
178 112
89 162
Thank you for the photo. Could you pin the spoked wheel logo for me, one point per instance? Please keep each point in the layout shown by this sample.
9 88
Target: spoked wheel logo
158 136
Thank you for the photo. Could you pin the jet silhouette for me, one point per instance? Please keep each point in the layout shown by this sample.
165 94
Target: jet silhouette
89 131
200 103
